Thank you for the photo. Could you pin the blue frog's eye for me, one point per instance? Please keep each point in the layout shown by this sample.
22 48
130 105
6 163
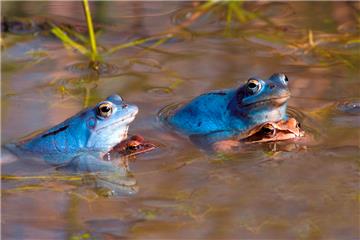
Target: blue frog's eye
284 78
104 109
279 77
253 86
116 99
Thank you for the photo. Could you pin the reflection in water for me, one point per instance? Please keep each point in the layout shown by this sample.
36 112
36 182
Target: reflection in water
102 69
105 184
259 192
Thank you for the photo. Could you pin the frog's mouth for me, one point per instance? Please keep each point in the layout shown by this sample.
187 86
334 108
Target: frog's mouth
278 101
123 121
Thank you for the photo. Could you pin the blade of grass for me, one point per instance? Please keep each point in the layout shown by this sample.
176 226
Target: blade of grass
24 178
94 54
75 34
353 41
201 10
241 13
153 46
228 21
67 40
134 43
311 38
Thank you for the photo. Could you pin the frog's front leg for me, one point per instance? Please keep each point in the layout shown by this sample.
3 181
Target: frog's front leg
108 175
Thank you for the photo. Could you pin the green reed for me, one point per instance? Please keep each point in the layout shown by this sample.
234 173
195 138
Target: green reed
94 53
64 35
75 40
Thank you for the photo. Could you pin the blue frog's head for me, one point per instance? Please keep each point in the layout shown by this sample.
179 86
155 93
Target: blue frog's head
260 101
95 129
108 122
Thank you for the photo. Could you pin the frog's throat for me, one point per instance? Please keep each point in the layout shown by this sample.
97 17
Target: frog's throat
105 147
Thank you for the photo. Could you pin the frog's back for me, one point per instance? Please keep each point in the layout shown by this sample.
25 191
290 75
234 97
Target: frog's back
206 113
64 138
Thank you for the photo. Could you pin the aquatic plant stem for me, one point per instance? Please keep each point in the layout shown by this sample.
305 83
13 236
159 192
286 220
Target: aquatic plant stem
94 54
51 177
86 97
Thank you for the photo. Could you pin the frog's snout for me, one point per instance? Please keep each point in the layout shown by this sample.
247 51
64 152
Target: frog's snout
133 109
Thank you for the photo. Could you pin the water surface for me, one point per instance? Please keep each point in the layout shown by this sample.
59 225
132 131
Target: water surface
184 192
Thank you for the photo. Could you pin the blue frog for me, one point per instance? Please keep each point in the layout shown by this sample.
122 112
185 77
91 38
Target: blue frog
81 142
223 114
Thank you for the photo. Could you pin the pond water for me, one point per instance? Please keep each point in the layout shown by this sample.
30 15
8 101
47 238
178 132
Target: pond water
183 191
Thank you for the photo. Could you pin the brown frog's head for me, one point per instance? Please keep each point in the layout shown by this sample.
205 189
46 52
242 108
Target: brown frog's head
274 131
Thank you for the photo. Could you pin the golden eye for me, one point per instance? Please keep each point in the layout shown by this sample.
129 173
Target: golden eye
105 109
268 130
253 86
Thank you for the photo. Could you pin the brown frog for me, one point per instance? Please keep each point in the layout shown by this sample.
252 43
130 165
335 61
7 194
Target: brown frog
132 146
266 132
274 131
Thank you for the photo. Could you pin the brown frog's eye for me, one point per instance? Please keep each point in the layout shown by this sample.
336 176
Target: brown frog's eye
105 109
253 86
268 130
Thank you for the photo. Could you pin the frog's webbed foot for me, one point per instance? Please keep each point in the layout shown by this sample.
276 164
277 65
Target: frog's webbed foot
109 177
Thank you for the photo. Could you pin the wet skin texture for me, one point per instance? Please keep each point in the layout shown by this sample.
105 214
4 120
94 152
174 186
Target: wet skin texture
222 114
80 142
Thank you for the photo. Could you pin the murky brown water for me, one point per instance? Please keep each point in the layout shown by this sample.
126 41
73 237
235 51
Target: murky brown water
185 192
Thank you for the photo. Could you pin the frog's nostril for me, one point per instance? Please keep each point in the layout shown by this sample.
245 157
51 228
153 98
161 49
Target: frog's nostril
271 85
124 106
